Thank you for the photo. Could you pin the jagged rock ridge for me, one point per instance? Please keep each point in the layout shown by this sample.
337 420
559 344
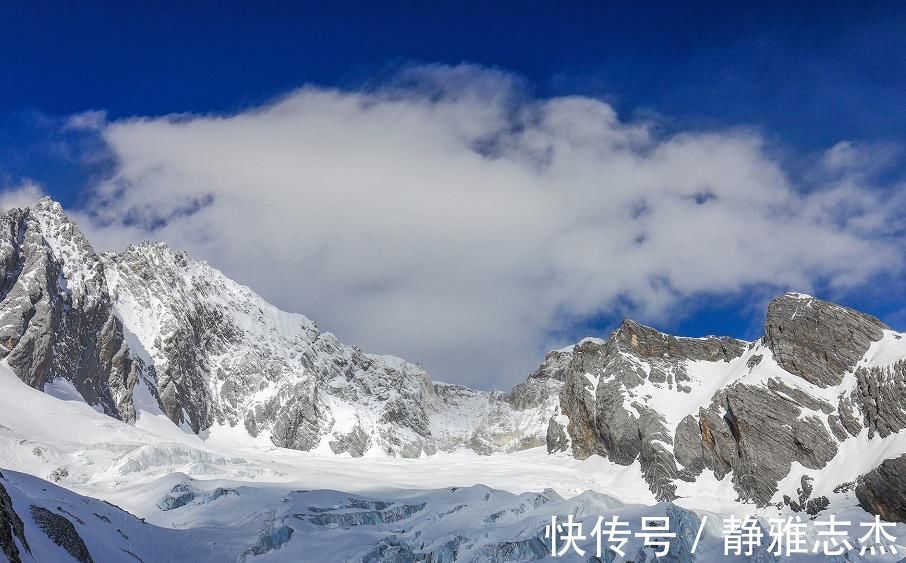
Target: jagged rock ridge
56 315
209 352
681 406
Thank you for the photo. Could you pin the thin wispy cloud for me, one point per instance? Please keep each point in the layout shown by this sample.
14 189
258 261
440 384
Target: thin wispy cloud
452 218
21 194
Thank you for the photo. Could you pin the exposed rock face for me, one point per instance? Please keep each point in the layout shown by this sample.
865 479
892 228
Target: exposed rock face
61 531
225 356
56 314
211 352
12 529
681 406
817 340
883 490
555 365
756 433
606 390
880 395
804 502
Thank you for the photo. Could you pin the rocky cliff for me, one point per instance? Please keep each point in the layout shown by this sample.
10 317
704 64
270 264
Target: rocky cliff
211 353
56 314
822 374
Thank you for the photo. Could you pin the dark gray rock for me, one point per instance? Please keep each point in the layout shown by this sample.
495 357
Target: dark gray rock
12 528
599 420
816 505
56 313
756 433
557 438
534 392
61 531
881 397
804 502
555 365
849 415
882 491
301 424
806 488
356 442
817 340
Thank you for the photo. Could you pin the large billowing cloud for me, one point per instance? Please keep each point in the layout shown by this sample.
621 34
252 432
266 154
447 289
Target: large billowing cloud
451 218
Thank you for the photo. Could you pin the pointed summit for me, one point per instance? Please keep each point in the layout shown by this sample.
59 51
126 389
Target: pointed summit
818 340
56 318
83 271
47 202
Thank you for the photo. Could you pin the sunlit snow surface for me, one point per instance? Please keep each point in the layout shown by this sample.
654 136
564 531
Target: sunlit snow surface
224 496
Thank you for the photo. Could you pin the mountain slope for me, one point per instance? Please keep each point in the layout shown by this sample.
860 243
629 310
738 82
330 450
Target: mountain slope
56 315
212 354
823 378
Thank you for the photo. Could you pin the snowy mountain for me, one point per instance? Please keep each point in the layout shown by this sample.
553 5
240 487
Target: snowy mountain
150 323
824 383
236 430
56 315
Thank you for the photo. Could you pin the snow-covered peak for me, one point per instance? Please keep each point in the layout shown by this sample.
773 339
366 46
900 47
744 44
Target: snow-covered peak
226 357
797 295
83 272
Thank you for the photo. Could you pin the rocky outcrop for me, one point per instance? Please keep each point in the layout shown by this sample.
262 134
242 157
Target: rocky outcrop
12 529
555 365
211 352
880 395
755 433
61 532
606 390
817 340
56 315
804 502
637 396
222 355
882 491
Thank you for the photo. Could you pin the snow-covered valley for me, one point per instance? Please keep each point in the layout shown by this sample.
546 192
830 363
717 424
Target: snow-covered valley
225 498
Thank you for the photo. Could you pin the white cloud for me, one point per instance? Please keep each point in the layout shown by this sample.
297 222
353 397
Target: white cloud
20 195
453 219
91 119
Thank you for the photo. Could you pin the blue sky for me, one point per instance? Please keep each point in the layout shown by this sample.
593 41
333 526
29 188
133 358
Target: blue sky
803 77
